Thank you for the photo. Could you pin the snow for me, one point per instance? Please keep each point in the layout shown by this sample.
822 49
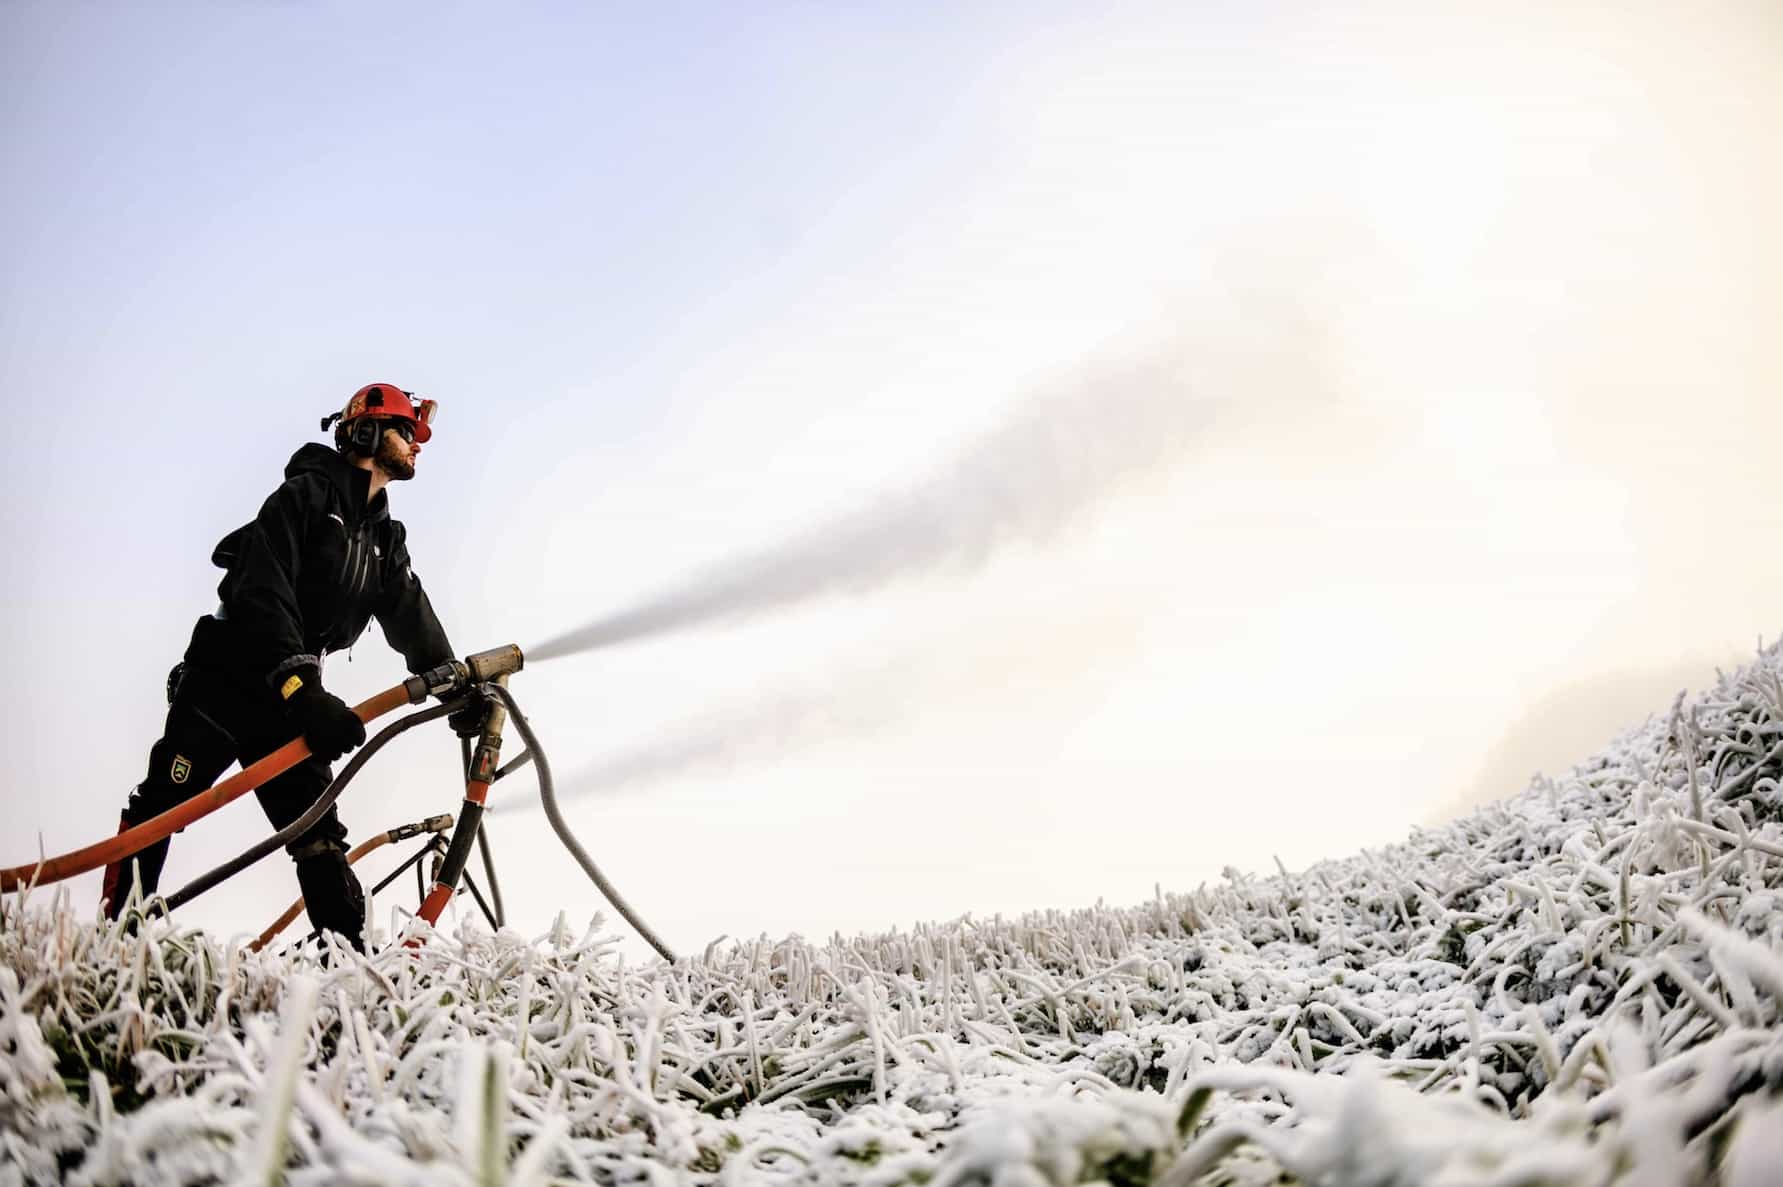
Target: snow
1577 986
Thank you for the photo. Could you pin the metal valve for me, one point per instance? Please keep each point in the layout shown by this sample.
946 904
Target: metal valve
454 675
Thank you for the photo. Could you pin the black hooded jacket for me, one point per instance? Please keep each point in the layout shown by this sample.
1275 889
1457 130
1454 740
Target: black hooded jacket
309 574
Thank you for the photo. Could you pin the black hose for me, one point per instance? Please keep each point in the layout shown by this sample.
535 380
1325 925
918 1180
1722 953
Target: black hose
501 915
304 823
471 885
432 846
548 795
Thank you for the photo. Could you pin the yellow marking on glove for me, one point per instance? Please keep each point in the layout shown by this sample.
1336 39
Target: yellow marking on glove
290 686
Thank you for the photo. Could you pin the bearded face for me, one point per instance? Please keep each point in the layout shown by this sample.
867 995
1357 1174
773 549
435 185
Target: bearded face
396 457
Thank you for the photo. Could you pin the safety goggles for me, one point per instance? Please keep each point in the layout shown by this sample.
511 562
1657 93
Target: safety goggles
425 410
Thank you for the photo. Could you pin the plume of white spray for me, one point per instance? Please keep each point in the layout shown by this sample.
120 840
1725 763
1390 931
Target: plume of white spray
1108 428
1061 452
851 698
728 733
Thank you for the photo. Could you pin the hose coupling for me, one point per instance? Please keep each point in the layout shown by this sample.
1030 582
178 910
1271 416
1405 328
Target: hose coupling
455 676
433 824
440 682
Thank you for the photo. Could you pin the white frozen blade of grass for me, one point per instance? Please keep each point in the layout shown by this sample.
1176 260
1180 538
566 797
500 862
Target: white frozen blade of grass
1578 986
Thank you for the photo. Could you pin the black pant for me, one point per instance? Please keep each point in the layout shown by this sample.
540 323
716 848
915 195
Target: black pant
215 717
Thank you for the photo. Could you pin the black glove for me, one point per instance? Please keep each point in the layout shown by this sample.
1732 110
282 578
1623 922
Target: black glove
468 719
327 723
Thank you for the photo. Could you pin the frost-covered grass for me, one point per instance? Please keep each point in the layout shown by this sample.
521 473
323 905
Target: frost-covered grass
1578 986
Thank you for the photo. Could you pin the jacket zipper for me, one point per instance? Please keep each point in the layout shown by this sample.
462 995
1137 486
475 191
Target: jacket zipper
364 571
352 574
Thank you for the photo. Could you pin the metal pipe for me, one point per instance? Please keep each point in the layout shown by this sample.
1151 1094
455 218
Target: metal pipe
548 795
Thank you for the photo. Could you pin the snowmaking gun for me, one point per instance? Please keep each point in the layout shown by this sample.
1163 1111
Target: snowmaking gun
484 676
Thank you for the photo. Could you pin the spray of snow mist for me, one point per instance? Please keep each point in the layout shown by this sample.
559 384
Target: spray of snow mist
1022 481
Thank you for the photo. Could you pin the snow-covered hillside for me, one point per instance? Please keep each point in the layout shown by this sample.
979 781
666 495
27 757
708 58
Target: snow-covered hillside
1578 986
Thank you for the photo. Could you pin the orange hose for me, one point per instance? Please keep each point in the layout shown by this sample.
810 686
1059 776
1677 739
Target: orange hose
117 848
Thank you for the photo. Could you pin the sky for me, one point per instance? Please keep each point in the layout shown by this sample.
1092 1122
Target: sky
1105 444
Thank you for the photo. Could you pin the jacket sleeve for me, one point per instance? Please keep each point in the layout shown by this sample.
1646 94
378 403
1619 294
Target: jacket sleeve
262 598
407 616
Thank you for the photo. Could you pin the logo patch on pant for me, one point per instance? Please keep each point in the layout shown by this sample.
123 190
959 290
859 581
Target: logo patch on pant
182 767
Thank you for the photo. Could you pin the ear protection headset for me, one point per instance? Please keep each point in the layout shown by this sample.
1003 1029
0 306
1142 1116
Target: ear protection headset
366 430
364 436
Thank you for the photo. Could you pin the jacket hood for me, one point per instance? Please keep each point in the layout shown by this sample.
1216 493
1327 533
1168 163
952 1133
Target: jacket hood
349 480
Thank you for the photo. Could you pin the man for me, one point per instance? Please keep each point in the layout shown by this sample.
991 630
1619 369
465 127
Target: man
321 559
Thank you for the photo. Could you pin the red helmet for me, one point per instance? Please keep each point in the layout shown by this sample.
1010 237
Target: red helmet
384 401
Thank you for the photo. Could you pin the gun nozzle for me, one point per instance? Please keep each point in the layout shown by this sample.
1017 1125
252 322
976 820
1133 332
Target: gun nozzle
489 665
